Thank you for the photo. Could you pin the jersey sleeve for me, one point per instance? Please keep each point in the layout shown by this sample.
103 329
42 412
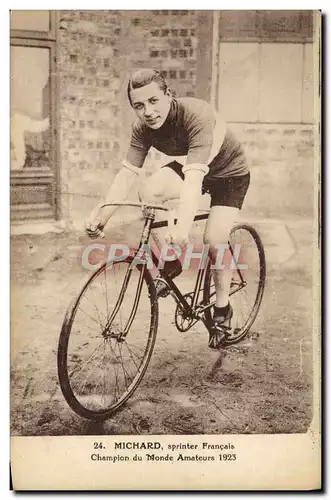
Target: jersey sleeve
200 123
139 146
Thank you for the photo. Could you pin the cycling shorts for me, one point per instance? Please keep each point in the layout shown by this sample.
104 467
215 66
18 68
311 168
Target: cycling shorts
224 191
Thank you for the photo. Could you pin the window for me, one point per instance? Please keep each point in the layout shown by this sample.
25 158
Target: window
30 128
266 66
26 20
32 140
266 82
35 24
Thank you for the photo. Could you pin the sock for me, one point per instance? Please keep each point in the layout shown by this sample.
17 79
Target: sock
221 311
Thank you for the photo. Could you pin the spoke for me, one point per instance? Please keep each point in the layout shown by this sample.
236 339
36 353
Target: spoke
87 326
135 346
125 372
115 369
92 356
240 314
95 321
102 377
113 350
240 318
106 291
130 353
116 382
139 356
104 387
95 307
249 293
120 309
122 365
83 384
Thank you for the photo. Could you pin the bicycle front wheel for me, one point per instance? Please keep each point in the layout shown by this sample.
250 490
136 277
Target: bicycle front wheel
247 284
98 367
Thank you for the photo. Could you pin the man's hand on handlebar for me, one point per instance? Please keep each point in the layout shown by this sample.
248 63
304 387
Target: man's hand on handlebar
94 232
94 225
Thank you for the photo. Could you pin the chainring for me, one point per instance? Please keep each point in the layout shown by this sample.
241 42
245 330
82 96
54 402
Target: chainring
182 321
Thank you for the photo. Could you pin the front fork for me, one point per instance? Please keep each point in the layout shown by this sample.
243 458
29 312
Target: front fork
149 214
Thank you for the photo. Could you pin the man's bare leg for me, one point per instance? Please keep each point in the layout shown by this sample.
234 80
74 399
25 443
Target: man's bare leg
217 232
162 187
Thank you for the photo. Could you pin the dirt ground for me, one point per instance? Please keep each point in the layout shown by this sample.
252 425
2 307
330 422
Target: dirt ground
264 384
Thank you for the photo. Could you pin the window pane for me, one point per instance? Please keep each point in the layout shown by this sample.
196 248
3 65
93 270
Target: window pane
238 98
30 107
281 69
34 20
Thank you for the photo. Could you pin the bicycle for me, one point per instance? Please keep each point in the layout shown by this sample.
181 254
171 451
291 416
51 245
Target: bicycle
107 339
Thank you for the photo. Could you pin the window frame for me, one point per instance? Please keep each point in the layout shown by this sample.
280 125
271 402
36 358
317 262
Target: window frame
38 35
47 41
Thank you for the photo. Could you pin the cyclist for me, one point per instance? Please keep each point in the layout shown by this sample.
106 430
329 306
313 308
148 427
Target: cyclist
215 163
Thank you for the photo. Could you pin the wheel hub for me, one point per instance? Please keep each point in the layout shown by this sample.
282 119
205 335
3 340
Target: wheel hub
113 333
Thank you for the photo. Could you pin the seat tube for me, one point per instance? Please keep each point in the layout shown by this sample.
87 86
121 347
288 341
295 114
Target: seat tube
197 288
149 214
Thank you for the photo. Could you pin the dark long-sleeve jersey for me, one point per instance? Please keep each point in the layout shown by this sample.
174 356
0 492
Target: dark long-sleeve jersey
192 129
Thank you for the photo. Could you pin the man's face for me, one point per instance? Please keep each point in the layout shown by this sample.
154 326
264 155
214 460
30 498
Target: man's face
151 104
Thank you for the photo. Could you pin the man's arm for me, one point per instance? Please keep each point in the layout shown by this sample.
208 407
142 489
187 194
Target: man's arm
206 133
122 182
119 191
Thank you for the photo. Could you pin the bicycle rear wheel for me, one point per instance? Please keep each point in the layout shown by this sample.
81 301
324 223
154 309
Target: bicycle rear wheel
247 284
98 369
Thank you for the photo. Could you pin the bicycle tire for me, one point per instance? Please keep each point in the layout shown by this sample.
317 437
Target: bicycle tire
240 333
64 375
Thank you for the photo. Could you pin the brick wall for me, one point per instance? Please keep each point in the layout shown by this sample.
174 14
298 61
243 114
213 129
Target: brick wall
89 103
166 40
97 51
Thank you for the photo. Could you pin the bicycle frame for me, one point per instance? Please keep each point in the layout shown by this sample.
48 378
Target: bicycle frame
176 293
195 310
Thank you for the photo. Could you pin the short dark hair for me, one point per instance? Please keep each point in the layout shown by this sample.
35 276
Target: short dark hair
144 77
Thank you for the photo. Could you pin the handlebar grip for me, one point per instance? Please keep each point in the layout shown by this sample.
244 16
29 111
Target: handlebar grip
101 228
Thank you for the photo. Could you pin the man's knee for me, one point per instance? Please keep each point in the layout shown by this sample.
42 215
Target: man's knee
152 192
217 242
214 238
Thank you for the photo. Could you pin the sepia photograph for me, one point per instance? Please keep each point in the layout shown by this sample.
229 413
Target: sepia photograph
165 236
